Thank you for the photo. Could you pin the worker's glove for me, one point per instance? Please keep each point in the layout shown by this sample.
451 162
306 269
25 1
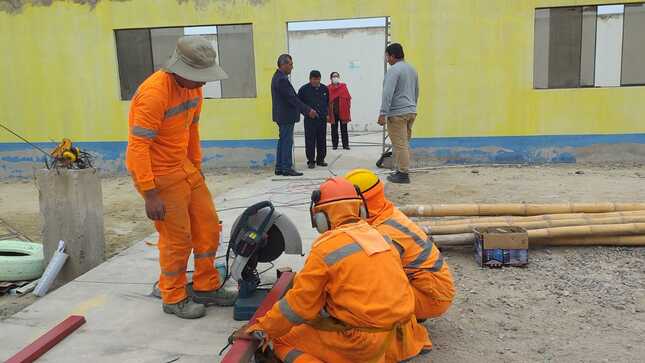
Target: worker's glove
242 333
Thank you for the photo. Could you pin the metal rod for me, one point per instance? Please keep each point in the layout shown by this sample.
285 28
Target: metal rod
25 140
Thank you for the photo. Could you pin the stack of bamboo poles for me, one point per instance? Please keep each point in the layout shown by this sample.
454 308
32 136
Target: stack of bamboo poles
564 224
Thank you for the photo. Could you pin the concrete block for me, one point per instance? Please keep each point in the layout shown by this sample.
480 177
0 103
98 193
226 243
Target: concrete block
71 205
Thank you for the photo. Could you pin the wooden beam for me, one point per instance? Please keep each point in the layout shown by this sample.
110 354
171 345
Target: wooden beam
242 350
48 340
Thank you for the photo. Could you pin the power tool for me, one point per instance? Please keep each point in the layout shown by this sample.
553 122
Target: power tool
259 235
68 156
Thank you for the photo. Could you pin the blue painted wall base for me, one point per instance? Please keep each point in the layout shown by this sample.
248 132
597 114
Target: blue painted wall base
19 159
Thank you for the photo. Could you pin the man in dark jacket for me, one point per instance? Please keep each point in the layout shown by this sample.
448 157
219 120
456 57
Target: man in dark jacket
316 96
287 108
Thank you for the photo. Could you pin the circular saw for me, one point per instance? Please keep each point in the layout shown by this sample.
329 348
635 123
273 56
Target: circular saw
259 235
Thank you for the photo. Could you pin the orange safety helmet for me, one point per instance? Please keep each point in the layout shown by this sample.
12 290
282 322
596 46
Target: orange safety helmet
333 191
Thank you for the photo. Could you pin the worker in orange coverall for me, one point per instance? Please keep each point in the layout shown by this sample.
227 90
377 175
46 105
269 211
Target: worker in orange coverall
426 268
164 159
351 302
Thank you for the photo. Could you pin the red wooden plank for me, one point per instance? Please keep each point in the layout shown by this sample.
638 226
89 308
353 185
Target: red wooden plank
242 350
48 340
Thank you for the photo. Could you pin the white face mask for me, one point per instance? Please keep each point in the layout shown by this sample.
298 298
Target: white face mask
335 80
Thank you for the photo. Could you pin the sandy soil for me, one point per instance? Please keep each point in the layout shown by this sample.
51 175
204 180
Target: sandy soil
125 218
569 304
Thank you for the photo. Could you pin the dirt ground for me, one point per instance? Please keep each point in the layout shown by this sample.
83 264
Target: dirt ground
569 304
125 219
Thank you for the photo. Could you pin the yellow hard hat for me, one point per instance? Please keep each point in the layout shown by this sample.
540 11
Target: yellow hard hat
365 179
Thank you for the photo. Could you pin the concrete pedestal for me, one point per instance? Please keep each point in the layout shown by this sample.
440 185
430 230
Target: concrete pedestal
71 204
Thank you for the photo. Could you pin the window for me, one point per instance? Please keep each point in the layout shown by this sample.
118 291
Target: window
589 46
141 52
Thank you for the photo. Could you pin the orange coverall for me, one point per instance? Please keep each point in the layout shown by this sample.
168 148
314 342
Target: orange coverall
427 271
365 291
164 153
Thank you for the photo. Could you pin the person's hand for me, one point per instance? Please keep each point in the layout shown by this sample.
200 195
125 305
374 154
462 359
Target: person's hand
381 120
313 113
155 209
242 334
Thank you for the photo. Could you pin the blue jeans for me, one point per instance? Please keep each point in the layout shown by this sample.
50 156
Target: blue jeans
284 154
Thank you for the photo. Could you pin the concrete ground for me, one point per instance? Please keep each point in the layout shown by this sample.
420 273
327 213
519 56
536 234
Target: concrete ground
126 324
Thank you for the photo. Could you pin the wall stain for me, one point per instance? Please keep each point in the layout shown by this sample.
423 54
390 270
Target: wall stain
15 7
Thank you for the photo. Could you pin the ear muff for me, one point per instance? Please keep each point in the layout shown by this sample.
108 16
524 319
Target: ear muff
319 220
362 212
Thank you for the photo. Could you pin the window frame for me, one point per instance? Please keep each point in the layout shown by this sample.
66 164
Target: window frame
251 25
595 47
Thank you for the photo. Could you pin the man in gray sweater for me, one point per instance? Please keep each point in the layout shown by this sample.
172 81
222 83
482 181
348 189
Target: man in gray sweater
399 109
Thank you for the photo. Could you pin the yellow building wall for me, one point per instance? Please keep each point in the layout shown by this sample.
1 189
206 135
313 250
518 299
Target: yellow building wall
475 60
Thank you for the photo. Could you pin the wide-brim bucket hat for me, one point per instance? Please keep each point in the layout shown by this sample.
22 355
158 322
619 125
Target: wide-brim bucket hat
195 59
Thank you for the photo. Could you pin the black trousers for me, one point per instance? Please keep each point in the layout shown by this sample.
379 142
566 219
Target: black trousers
343 133
315 140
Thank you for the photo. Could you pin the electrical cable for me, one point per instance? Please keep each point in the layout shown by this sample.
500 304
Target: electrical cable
268 269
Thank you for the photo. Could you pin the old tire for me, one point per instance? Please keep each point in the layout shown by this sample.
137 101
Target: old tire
21 261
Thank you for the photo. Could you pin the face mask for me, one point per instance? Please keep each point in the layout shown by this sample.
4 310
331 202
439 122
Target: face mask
335 80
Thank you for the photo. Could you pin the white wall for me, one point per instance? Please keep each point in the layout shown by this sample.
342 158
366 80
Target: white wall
357 54
609 47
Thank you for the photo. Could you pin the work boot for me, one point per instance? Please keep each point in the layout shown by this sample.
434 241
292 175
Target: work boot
220 297
399 178
291 172
185 309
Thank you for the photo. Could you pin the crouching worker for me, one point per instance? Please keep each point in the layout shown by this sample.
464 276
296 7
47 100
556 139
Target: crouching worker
427 271
351 302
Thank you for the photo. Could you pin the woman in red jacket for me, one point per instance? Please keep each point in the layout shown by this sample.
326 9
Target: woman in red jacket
340 102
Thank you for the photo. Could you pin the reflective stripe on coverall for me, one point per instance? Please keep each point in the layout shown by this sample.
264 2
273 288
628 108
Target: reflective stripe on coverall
369 294
164 153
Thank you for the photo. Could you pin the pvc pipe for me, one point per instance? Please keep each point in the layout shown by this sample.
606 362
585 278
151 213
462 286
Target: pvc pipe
517 209
466 228
52 270
543 217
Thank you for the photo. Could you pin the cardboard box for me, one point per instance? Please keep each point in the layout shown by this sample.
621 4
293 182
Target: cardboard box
501 246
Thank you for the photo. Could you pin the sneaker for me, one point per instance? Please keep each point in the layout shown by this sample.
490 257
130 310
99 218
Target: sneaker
322 163
185 309
311 165
220 297
278 172
335 148
292 172
399 178
346 147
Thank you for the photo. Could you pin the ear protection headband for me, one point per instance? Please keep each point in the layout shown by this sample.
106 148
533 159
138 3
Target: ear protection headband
320 220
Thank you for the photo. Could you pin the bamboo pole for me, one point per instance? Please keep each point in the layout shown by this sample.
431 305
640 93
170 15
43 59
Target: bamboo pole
593 241
515 209
543 217
554 233
639 240
595 230
466 228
